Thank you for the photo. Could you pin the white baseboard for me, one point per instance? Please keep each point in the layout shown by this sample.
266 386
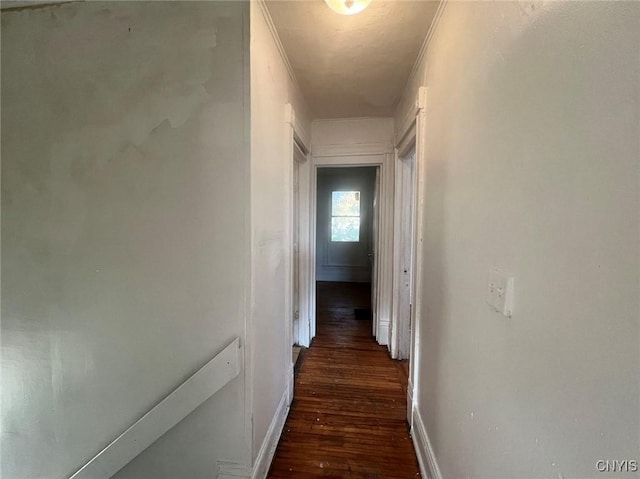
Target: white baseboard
268 448
290 383
232 470
382 335
410 403
426 458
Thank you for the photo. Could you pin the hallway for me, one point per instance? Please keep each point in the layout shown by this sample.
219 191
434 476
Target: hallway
164 222
348 414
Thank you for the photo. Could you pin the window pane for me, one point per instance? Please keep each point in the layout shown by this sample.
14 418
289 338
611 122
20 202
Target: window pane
345 203
344 228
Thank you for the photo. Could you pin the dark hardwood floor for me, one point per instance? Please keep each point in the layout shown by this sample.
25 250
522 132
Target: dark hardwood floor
348 416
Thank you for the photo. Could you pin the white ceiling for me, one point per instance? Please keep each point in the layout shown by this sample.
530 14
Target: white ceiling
352 66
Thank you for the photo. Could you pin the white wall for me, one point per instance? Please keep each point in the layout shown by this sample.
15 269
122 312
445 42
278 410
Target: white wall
351 131
532 166
271 190
348 261
124 229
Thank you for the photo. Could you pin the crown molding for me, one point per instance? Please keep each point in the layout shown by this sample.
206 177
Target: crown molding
425 45
276 38
427 40
283 54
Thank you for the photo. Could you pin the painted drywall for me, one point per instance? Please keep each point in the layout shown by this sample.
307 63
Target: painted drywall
125 185
351 131
350 261
271 189
531 166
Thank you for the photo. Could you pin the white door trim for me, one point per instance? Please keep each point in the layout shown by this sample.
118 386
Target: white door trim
373 154
298 139
403 250
320 152
403 146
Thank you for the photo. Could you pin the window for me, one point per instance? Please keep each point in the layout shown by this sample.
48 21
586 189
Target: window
345 216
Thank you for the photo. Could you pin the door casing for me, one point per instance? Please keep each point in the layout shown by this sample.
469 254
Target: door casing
297 141
403 252
379 155
413 132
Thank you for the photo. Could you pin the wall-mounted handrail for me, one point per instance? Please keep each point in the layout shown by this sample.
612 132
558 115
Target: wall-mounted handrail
167 413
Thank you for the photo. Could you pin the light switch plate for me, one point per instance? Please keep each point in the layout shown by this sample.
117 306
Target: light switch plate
500 292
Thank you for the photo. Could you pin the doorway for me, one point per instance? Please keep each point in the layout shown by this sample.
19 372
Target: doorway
404 255
298 290
345 228
407 256
299 158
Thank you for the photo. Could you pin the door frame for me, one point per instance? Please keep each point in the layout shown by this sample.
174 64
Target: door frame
413 132
403 244
371 154
297 139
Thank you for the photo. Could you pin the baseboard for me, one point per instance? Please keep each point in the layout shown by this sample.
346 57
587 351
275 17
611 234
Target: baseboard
426 458
382 335
268 448
232 470
410 403
290 382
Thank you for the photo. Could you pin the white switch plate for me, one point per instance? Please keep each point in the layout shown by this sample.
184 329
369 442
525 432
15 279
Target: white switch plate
500 292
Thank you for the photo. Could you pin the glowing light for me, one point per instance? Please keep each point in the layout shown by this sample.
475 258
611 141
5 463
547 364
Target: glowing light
347 7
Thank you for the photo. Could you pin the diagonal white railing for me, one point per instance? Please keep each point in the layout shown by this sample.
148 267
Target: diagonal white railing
170 411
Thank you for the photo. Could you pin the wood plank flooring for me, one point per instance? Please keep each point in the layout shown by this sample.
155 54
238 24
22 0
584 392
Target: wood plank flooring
348 416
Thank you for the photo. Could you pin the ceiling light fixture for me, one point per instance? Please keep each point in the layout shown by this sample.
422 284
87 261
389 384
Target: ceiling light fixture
347 7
